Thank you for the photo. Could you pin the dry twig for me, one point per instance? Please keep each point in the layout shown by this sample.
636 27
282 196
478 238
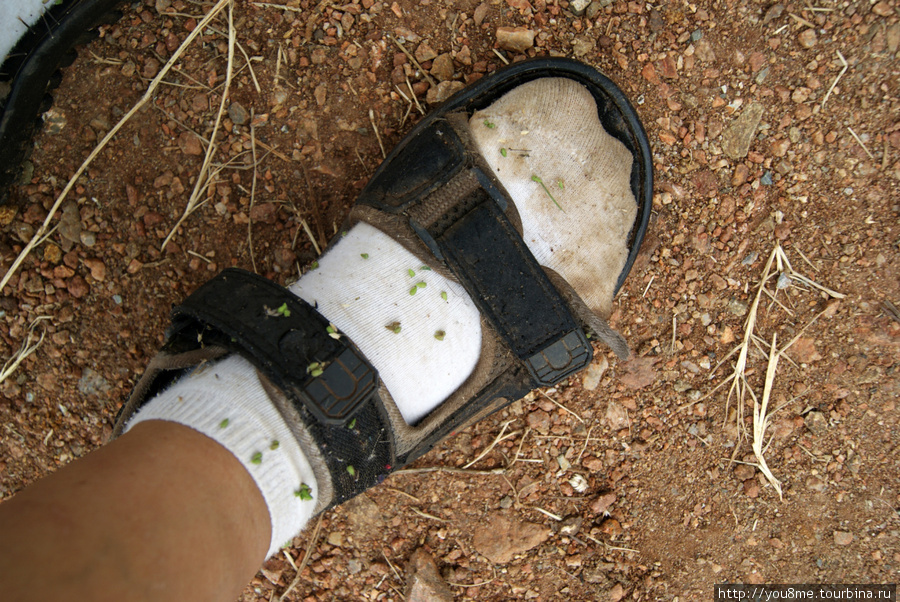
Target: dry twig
151 88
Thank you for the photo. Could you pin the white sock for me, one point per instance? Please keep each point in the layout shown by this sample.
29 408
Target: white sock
16 16
225 401
363 284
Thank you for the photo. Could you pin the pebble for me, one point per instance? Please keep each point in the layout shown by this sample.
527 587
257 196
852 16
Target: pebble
843 538
602 503
616 416
77 287
738 136
70 223
539 420
189 144
423 581
424 52
579 6
816 423
515 39
807 38
442 68
238 113
501 538
92 383
443 91
594 373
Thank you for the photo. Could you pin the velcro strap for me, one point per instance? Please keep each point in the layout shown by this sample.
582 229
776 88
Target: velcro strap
464 224
284 337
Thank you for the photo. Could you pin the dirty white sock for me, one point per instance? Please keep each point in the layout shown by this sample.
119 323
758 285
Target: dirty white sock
16 16
363 286
421 331
548 130
225 401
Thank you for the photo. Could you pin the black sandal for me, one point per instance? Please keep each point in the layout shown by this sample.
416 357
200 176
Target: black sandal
434 195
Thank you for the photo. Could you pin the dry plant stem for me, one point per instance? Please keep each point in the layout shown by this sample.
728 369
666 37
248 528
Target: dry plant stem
151 88
25 350
499 438
252 194
413 59
761 417
203 176
837 79
306 556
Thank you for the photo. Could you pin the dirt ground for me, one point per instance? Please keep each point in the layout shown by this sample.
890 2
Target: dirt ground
673 500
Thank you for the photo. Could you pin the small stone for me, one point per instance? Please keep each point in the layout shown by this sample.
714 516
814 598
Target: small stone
70 223
616 593
603 502
843 538
582 45
741 173
892 37
744 472
98 269
807 38
238 114
814 483
442 68
501 538
804 350
578 6
616 416
480 13
515 39
92 383
336 539
736 139
704 51
320 93
751 488
539 420
816 423
77 287
424 52
423 581
883 9
594 373
189 144
773 13
151 68
52 253
443 91
571 525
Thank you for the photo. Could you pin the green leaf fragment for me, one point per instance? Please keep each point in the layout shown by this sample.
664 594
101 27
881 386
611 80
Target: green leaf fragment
351 471
315 369
502 152
411 272
421 285
224 423
559 183
364 255
257 458
439 335
352 424
275 445
444 295
330 329
536 178
489 124
304 493
425 268
314 265
413 290
283 311
394 327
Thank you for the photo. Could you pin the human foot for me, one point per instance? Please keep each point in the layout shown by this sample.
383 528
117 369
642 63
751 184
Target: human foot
443 211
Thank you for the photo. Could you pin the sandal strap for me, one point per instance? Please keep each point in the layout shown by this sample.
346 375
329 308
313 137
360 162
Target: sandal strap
461 218
284 337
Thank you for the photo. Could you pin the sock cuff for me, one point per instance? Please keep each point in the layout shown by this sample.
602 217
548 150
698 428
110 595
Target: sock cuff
226 402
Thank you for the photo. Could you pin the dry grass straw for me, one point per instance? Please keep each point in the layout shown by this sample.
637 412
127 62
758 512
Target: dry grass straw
151 88
28 347
310 548
203 178
741 392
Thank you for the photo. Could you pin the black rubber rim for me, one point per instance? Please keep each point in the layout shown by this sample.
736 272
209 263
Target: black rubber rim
31 69
615 113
